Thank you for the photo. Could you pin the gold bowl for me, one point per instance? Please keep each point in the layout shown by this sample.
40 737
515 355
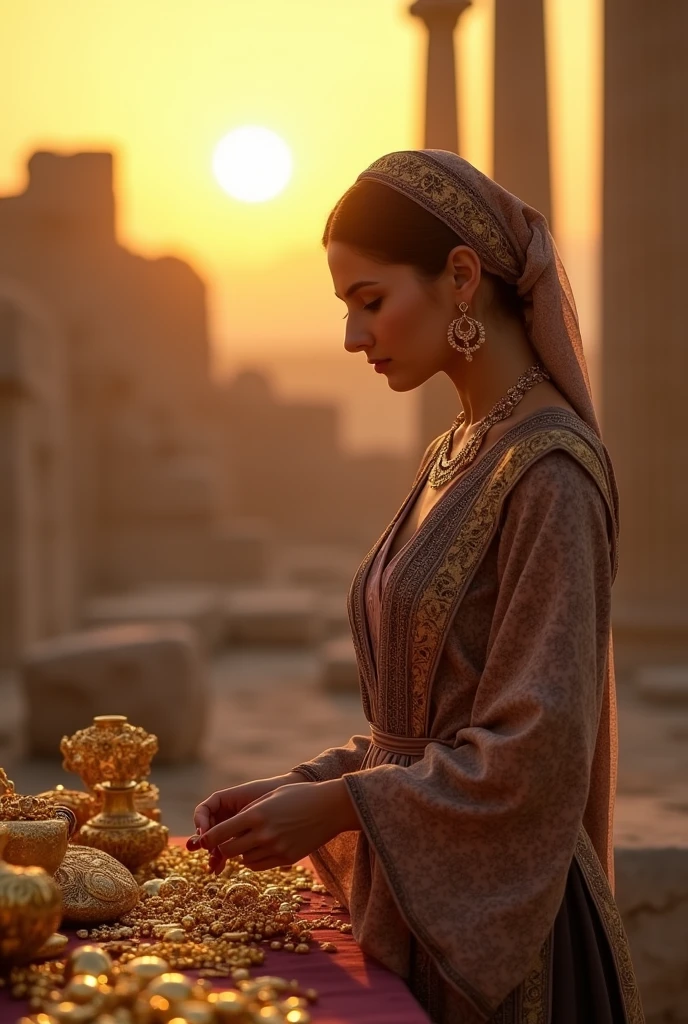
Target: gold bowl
30 908
40 844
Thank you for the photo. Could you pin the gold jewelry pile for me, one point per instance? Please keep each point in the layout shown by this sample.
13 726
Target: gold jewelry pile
14 807
444 468
186 920
88 988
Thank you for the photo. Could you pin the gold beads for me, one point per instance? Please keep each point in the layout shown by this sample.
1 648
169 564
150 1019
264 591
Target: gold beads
89 960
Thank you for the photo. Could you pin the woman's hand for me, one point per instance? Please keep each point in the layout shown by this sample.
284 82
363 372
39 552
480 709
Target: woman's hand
225 803
283 826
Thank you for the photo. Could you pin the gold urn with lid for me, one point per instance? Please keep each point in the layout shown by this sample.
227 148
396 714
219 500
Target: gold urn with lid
111 756
30 909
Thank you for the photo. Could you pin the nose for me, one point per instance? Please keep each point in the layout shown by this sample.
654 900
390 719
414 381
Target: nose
355 339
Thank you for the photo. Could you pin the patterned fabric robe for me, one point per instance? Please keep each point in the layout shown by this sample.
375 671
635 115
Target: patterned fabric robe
485 789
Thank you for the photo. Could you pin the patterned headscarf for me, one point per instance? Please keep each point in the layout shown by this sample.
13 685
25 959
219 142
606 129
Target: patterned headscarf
512 241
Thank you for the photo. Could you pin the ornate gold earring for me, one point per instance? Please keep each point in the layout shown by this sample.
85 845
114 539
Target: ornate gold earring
463 330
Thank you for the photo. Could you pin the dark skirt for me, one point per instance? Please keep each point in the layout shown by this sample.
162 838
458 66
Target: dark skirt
580 984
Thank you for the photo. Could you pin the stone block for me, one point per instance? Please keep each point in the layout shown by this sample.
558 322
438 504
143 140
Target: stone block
335 615
652 896
274 616
325 566
201 608
663 684
188 554
152 673
240 552
339 669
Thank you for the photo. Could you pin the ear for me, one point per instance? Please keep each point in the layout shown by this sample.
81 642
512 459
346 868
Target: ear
463 266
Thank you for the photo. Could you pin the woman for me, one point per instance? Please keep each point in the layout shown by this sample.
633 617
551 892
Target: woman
470 834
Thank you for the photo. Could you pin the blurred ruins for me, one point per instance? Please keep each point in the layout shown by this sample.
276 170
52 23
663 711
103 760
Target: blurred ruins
179 549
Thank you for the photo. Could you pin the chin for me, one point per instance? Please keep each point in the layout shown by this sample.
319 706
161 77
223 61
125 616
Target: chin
408 381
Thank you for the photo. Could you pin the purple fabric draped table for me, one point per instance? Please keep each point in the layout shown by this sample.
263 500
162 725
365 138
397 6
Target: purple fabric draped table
351 986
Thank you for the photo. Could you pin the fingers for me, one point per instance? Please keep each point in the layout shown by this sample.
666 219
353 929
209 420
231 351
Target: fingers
240 845
194 842
229 829
216 861
206 813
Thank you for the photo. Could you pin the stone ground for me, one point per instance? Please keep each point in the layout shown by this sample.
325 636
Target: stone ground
269 712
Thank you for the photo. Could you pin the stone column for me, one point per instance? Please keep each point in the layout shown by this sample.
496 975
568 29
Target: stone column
521 136
644 357
438 399
36 539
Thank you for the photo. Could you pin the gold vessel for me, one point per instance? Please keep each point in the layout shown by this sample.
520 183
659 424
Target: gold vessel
120 830
112 757
87 804
95 887
37 830
84 805
40 844
110 750
30 909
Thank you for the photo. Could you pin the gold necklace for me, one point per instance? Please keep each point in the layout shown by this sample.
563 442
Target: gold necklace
444 468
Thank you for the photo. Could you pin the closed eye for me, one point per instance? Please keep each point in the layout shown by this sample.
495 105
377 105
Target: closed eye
373 306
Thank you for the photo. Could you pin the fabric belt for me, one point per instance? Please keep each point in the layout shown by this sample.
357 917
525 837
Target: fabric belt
400 744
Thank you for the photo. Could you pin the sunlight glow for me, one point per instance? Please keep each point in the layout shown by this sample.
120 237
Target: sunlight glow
252 164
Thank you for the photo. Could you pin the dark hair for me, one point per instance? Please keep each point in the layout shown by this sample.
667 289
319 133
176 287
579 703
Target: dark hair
387 226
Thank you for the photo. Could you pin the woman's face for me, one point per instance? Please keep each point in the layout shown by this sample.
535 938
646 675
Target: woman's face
393 315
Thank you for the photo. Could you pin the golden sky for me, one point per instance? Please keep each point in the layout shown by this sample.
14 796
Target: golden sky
161 81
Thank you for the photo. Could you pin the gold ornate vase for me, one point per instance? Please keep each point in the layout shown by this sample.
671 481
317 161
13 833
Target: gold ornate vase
30 909
112 757
87 804
110 750
120 830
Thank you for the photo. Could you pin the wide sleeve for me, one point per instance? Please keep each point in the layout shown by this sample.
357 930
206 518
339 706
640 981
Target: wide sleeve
476 840
336 761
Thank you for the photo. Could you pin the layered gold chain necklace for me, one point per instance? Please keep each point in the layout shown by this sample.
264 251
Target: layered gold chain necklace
444 468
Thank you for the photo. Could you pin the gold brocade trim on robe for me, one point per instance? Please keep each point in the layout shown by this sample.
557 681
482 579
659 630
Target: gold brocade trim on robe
448 584
445 195
530 1002
598 886
387 699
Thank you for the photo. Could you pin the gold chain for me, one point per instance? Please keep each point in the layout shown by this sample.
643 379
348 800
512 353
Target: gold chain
444 468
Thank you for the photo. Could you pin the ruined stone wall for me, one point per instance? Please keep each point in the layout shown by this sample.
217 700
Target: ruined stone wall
36 538
141 407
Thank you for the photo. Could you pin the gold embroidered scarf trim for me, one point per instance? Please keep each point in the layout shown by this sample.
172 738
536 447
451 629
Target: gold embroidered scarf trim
443 193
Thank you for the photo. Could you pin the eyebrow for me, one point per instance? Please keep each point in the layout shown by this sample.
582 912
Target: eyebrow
355 287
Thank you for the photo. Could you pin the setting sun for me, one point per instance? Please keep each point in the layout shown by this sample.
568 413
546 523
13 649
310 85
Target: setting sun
252 164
